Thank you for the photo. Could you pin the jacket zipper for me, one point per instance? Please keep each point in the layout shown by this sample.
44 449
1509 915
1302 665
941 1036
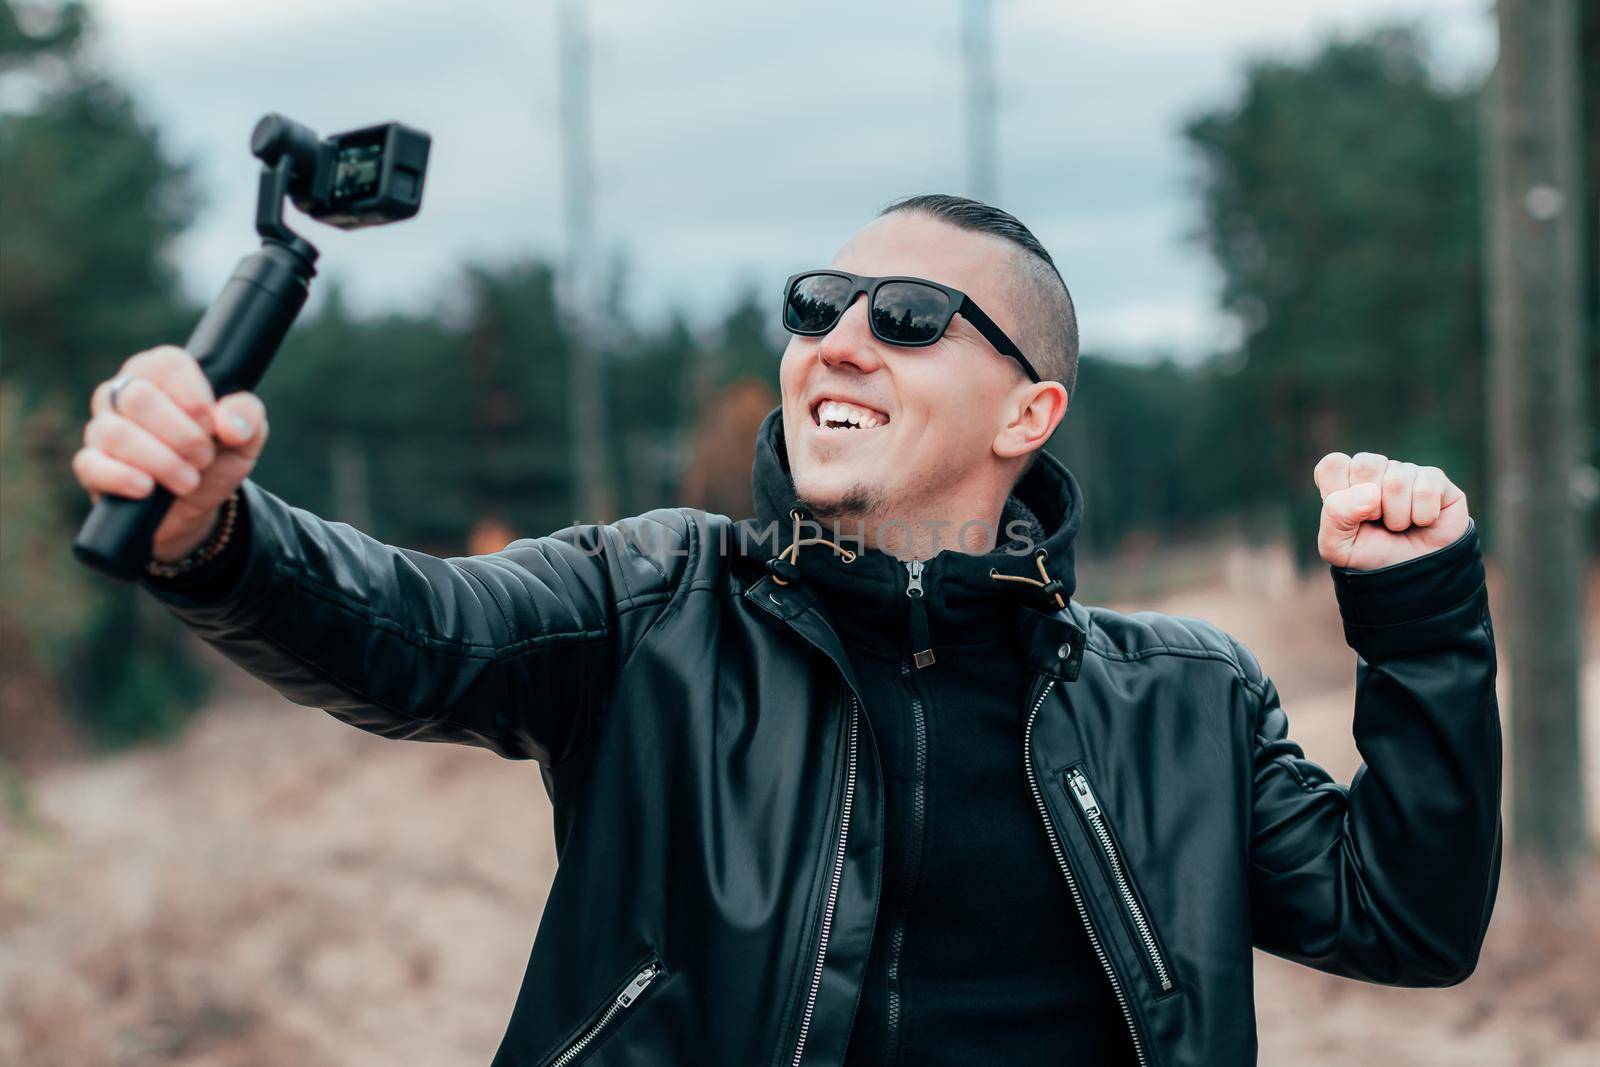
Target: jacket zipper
918 807
833 887
1085 797
1061 861
625 999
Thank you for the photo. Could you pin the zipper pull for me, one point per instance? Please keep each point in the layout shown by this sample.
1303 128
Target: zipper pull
914 585
1084 795
637 986
921 641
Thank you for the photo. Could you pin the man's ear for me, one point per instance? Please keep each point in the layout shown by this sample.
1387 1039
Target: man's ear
1036 412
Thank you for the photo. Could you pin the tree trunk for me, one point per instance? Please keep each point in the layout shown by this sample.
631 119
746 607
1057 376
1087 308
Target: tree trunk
1537 414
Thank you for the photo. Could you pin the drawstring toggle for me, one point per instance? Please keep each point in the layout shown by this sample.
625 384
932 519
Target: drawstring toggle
789 557
1051 587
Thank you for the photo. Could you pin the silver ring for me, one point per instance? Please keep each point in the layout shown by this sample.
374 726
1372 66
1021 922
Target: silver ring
118 384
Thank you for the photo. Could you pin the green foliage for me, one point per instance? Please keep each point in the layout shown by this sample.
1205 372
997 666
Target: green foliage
1150 445
518 461
452 425
651 402
53 597
1341 201
91 204
447 424
90 207
744 349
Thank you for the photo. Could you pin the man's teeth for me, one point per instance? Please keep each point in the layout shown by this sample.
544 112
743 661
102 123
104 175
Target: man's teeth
833 411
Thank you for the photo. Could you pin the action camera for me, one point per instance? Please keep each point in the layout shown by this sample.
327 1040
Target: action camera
359 178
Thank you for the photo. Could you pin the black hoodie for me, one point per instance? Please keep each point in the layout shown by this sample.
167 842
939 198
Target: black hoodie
977 954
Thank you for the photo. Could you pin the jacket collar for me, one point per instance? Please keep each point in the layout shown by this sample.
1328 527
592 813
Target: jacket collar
865 597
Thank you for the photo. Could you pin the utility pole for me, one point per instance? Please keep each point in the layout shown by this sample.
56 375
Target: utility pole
578 287
977 46
1538 416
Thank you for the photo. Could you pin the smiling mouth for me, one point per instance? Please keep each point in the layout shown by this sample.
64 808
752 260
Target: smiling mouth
830 414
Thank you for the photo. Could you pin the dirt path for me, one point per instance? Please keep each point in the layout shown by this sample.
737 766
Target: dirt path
278 888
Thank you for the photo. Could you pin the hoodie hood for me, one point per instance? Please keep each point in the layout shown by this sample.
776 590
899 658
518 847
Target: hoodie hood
963 601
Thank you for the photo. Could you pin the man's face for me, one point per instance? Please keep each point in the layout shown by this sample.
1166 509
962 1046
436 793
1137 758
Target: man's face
939 409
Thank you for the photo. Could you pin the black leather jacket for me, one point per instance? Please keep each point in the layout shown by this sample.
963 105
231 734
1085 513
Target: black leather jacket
719 805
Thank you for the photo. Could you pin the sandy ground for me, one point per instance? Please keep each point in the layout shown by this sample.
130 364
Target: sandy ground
278 888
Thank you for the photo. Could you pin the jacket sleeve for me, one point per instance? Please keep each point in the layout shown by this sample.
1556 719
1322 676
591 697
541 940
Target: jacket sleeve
514 651
1392 878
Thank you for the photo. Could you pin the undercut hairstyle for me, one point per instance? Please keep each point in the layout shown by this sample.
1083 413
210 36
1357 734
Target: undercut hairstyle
1049 327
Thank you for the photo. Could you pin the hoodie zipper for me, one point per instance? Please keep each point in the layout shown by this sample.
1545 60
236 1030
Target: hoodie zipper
625 999
1084 795
922 656
921 642
1061 861
833 886
913 862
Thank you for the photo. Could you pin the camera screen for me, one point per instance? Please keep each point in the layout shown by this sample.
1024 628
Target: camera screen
355 171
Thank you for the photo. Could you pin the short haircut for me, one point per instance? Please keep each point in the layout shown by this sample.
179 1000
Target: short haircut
1049 328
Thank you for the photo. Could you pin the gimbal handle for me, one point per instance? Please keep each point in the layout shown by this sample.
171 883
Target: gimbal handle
234 342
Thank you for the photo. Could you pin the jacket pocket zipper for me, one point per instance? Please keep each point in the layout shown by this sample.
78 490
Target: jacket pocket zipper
1066 872
624 1000
1083 793
833 886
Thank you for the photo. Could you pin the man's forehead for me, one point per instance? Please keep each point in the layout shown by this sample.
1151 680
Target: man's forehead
979 264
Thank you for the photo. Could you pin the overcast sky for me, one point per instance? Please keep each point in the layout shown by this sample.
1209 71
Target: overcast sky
735 143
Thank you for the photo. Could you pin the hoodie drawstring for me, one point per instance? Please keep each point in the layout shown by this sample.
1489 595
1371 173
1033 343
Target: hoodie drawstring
791 554
1051 586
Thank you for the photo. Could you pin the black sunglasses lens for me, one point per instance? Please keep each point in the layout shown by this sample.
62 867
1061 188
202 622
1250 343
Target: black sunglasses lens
907 313
815 303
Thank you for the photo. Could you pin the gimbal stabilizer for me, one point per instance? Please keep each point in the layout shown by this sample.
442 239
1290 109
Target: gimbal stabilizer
361 178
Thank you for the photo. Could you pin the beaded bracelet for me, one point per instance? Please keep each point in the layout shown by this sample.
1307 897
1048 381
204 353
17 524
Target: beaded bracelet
209 550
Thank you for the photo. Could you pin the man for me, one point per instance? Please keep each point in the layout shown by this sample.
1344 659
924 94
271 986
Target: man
857 781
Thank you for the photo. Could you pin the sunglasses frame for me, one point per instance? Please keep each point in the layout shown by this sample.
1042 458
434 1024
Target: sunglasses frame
956 303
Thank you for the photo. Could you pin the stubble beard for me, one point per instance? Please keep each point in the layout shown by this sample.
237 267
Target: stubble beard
865 512
857 505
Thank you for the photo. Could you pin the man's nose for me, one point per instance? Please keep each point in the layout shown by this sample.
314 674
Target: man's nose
851 341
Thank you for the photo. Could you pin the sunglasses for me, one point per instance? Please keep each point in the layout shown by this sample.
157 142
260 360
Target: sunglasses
910 312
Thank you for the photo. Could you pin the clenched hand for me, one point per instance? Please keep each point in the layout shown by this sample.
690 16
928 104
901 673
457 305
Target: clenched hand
170 428
1378 511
